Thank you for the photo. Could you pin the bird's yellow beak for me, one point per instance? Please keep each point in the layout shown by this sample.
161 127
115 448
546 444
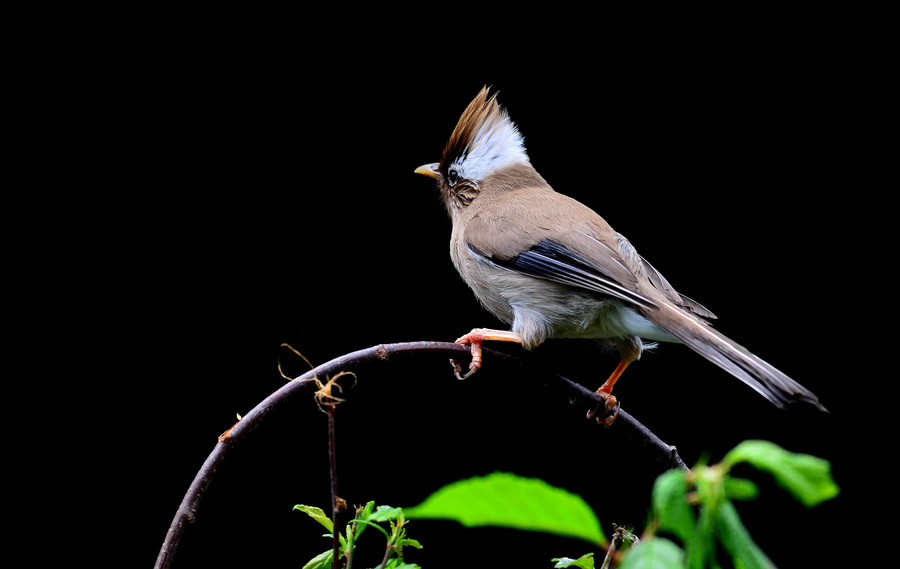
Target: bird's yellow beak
430 170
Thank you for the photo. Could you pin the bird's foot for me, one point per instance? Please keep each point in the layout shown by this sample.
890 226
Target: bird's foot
610 409
475 338
611 404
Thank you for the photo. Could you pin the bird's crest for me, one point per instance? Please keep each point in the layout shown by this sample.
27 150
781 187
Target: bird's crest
484 140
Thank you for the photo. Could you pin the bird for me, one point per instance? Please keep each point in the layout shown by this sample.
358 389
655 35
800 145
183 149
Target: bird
550 267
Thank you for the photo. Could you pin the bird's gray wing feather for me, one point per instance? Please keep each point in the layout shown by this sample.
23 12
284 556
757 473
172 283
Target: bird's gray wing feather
552 261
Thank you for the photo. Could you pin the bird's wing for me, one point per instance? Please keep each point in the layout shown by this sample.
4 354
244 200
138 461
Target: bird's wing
586 254
535 235
549 260
546 242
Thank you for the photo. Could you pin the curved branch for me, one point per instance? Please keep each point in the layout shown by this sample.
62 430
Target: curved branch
302 386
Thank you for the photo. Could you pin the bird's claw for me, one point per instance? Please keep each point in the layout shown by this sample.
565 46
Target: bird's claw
474 339
457 369
610 409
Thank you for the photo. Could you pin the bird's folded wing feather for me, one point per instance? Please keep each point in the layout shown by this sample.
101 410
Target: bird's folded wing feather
552 261
589 255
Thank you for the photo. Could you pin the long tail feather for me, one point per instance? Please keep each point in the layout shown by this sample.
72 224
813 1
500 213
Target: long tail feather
764 378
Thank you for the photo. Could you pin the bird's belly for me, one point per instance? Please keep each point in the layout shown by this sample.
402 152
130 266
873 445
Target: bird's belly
611 319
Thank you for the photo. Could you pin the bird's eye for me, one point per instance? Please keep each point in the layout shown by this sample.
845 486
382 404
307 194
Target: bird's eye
452 176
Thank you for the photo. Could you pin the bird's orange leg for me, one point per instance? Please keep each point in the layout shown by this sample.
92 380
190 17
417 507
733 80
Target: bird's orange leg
475 338
605 392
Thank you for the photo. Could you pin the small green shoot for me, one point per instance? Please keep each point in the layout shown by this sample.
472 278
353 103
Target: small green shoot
365 517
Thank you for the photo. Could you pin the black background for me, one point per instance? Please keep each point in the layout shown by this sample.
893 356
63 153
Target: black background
266 195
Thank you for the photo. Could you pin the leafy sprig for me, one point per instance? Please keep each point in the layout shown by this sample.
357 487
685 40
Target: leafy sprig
366 516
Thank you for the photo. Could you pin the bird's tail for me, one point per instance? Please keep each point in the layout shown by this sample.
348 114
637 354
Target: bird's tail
764 378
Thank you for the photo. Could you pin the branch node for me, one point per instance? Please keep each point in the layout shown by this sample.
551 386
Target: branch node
227 434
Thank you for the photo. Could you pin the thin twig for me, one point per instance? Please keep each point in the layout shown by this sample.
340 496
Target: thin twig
620 534
327 402
387 555
304 385
332 463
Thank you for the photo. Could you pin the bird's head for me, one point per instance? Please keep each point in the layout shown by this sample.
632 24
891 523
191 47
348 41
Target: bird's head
483 143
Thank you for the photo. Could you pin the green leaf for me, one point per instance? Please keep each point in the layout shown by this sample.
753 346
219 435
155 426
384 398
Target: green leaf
363 515
740 488
805 476
385 513
316 514
321 561
410 543
737 541
506 500
655 553
584 562
669 500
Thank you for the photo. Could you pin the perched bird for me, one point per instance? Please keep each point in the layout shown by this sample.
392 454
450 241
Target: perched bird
550 267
